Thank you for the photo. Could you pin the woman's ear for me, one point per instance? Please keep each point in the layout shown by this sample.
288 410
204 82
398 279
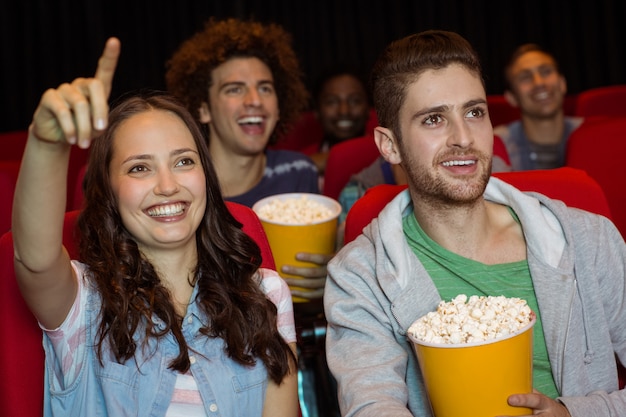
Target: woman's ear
205 113
387 145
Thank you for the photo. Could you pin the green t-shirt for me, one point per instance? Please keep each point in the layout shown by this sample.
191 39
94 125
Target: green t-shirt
454 275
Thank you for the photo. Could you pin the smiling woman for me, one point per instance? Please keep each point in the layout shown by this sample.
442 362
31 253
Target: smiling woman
165 268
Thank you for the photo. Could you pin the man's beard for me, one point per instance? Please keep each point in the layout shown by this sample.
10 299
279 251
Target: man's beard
438 190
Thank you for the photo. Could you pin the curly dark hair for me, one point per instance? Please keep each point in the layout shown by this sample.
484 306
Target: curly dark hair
130 287
188 75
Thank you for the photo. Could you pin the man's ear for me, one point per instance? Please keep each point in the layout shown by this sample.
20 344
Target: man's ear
563 84
205 113
510 98
387 145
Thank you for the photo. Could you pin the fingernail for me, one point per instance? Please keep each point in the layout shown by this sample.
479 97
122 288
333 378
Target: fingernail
100 124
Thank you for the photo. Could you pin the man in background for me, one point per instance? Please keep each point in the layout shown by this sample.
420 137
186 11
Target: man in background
537 87
342 106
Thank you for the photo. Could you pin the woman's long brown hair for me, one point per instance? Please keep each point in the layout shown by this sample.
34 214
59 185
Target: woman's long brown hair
131 289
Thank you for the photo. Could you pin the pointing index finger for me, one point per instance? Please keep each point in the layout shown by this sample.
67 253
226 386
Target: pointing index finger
107 63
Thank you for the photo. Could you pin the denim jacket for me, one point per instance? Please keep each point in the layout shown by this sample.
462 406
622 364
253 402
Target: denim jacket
143 386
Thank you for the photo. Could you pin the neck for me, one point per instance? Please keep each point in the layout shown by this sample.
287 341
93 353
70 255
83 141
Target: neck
452 226
482 231
237 174
176 269
544 131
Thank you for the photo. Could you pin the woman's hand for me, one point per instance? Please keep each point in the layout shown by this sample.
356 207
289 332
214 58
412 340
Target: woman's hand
76 112
540 404
313 278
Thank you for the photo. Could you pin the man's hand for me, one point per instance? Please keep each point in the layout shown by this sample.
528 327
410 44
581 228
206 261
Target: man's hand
313 278
540 404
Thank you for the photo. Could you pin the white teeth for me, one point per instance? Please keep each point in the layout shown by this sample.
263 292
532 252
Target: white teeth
457 163
168 210
541 96
344 124
250 119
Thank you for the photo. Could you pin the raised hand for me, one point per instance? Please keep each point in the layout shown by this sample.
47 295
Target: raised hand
72 113
76 112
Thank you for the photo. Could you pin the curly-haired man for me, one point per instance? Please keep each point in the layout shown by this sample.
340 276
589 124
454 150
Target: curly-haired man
243 81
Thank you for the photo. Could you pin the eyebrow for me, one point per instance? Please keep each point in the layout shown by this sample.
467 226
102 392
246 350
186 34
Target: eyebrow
444 107
545 65
243 83
436 109
146 157
231 84
475 102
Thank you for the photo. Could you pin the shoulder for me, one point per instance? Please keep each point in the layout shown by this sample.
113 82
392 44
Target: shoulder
586 225
501 130
277 156
573 122
273 286
280 162
277 291
594 241
506 131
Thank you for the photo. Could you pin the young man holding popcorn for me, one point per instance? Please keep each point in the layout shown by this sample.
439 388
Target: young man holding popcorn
458 231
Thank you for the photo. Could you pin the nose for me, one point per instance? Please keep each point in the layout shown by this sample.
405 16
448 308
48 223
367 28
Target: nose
166 183
460 135
343 107
252 97
537 78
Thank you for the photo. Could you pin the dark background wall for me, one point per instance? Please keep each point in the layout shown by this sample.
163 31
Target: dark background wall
46 42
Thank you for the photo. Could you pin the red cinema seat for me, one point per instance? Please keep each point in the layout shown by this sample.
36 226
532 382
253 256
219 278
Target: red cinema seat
346 159
8 178
602 101
598 148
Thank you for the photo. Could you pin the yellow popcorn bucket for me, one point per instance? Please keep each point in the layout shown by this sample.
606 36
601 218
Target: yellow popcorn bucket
286 238
475 379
